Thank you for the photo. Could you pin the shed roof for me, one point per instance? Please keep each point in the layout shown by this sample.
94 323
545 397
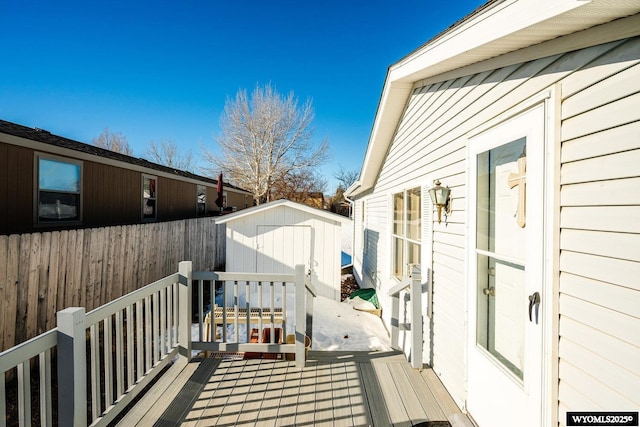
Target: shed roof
323 214
496 28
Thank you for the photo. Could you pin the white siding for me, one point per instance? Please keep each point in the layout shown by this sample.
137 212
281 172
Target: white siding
358 239
600 235
375 259
430 141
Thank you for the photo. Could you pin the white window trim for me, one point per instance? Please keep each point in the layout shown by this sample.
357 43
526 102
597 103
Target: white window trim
392 235
36 185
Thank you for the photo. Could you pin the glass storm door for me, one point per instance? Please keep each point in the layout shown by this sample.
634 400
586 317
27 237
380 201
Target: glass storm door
506 277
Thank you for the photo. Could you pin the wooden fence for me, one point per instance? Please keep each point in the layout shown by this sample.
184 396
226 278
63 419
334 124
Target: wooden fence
42 273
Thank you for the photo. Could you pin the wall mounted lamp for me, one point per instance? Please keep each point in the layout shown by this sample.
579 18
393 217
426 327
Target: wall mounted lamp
440 197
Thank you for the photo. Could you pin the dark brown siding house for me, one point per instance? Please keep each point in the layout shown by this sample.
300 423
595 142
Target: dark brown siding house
48 182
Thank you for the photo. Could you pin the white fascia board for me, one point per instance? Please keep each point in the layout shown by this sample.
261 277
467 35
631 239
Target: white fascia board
501 28
392 101
353 189
482 36
330 216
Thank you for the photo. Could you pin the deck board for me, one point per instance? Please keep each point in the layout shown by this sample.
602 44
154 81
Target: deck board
305 408
339 394
324 398
276 379
407 394
179 403
360 415
422 391
289 398
334 389
161 393
374 398
391 395
443 397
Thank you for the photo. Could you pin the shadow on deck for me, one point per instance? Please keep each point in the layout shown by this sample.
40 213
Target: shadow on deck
334 389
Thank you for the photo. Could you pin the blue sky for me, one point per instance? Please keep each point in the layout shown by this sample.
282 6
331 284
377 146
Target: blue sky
162 70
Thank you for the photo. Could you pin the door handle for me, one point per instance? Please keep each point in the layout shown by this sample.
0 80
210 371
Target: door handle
490 291
534 303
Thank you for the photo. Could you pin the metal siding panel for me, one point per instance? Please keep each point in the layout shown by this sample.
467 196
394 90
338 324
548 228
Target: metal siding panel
599 268
110 195
4 188
618 139
623 55
610 115
625 191
22 191
612 348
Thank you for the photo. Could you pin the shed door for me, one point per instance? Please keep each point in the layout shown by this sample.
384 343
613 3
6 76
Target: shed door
281 247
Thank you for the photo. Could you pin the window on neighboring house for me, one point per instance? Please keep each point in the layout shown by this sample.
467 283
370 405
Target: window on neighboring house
406 231
59 190
201 200
149 194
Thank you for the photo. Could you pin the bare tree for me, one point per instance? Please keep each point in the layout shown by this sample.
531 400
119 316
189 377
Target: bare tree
304 186
113 141
264 138
167 153
346 177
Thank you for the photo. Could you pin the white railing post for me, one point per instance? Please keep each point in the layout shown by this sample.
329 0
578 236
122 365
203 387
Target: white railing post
301 316
416 317
395 320
185 270
72 362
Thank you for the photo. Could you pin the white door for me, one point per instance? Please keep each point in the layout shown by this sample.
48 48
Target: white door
281 247
506 275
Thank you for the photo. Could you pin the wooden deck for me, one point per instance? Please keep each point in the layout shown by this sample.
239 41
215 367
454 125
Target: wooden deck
334 389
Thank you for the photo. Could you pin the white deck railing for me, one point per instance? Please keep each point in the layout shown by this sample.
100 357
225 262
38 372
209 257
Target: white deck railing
124 345
266 301
105 358
18 360
414 283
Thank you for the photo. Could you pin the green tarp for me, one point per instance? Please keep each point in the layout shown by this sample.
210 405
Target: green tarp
367 295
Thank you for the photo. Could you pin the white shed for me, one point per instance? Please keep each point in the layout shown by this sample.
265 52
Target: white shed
274 237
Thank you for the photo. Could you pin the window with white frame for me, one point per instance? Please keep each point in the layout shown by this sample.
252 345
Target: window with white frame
59 182
149 194
406 231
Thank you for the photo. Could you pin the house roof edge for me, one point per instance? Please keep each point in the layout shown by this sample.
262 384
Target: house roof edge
495 28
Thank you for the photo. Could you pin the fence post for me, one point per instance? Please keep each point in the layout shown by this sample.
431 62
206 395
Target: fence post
301 316
72 362
416 317
184 309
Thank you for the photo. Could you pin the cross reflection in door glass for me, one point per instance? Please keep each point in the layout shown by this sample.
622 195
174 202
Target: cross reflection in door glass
501 246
